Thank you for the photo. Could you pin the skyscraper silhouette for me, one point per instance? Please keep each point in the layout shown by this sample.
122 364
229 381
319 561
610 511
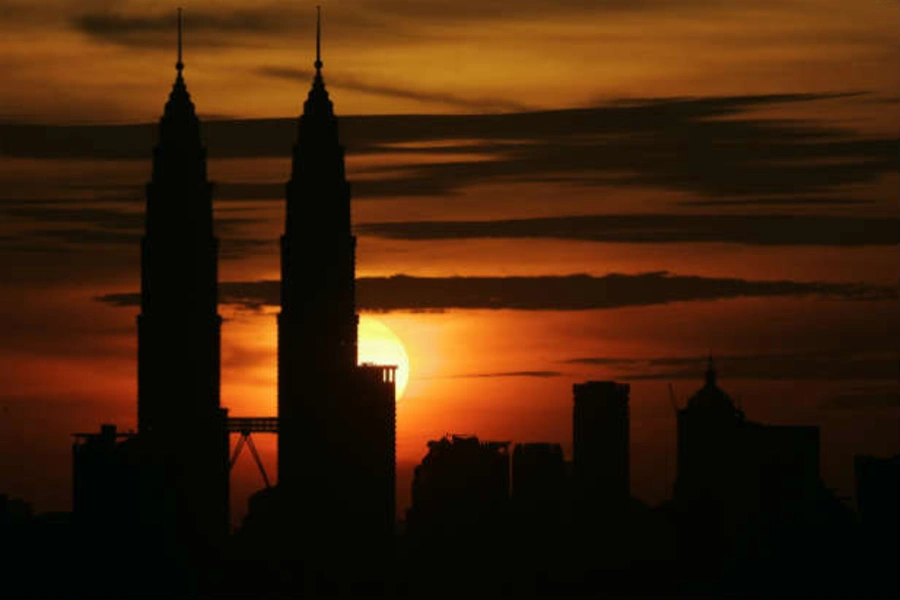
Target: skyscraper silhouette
539 482
336 420
181 425
600 436
459 515
749 498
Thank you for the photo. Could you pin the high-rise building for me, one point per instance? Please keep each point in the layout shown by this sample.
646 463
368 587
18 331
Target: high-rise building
336 419
710 443
878 504
460 491
749 496
458 526
104 483
181 425
539 481
724 459
601 457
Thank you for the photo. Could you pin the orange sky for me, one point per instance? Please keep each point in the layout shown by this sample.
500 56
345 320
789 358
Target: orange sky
706 124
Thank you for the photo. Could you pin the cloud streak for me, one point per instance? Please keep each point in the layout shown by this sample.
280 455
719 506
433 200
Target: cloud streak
864 398
561 293
155 30
502 375
347 82
682 144
823 365
58 225
387 20
761 230
777 201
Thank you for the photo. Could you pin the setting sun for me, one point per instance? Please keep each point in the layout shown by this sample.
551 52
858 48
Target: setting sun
381 346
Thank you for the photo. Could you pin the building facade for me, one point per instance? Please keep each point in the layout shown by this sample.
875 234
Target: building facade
181 424
539 482
601 458
749 497
336 419
460 491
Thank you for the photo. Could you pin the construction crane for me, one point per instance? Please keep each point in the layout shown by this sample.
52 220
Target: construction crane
672 399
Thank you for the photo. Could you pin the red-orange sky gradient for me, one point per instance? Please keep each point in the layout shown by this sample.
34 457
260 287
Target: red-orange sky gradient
722 174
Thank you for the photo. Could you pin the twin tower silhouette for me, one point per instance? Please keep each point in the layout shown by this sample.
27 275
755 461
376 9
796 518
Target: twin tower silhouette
336 419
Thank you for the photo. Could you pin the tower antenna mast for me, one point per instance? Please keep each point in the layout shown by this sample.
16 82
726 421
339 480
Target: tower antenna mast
318 38
180 64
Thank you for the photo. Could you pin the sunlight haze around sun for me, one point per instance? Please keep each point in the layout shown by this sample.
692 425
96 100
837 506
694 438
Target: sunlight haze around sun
381 346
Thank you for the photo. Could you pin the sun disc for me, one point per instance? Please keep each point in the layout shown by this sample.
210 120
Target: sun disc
381 346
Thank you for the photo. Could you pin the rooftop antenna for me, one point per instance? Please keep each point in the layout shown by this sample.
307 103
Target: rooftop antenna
318 63
710 370
179 65
672 399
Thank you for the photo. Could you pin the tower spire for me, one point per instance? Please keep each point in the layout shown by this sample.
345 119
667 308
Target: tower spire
318 63
710 370
180 64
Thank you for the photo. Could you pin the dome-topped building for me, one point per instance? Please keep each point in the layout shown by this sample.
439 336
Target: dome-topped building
709 431
712 398
737 478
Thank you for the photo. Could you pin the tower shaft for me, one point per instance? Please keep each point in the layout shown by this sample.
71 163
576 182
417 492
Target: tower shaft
336 419
180 420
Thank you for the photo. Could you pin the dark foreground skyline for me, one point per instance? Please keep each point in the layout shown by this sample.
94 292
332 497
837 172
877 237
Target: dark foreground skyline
725 177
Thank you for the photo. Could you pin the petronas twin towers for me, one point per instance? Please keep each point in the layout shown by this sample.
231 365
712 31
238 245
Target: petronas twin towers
335 419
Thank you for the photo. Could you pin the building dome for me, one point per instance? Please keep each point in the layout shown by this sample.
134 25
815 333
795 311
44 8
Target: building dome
711 398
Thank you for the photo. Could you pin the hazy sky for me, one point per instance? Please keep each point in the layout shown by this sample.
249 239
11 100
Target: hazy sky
571 190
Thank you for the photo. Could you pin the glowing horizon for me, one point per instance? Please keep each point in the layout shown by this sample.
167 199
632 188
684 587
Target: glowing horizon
668 177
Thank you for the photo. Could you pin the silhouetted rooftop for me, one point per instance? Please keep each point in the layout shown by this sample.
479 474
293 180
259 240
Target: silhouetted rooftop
711 397
318 103
179 106
179 125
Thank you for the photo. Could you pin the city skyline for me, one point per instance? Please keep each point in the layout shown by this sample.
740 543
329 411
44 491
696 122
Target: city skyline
785 270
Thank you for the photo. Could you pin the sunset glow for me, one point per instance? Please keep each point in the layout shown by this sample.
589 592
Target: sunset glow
380 346
543 193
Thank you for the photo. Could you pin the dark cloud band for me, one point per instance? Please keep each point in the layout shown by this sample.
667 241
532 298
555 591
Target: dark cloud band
669 143
503 375
564 293
823 365
763 230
